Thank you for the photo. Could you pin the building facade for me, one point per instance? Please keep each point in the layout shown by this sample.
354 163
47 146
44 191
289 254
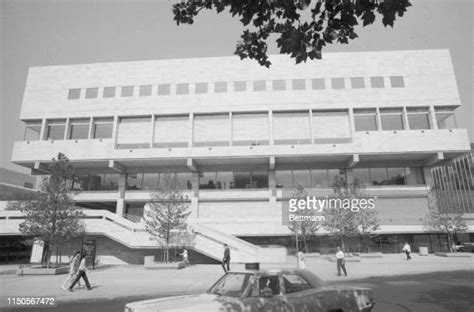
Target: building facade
238 135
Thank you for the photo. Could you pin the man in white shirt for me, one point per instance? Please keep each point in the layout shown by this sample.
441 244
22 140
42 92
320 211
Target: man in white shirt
185 257
341 263
407 250
81 273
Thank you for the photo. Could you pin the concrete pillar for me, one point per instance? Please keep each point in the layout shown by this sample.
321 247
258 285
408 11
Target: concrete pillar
121 208
122 184
272 182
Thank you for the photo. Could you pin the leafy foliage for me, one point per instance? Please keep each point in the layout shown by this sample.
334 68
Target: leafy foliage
343 223
302 27
439 219
167 212
303 228
50 214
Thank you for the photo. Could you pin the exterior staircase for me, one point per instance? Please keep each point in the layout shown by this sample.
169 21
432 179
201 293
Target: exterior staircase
132 234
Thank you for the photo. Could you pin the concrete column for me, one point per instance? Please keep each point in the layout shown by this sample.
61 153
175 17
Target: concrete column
272 182
433 121
122 183
349 175
120 210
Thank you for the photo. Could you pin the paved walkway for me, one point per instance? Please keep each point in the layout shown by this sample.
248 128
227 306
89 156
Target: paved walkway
131 281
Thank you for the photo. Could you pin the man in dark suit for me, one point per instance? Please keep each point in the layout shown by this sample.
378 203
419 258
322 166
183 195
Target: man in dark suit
226 259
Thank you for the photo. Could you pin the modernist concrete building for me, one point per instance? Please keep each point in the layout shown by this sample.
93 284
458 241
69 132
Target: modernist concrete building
238 135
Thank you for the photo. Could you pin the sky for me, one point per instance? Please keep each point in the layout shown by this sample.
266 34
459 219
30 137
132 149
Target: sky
61 32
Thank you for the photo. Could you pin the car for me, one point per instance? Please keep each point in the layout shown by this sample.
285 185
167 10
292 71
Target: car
465 247
266 290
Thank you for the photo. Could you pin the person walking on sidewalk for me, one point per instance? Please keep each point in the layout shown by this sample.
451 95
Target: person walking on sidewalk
341 262
407 250
81 273
184 254
226 259
300 260
73 269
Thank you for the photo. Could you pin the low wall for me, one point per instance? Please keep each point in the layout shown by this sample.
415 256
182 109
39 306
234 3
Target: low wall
272 254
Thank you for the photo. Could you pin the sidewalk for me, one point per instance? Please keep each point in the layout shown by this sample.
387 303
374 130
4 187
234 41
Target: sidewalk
130 281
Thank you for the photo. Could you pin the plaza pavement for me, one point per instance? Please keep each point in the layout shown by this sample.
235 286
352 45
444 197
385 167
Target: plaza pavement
136 281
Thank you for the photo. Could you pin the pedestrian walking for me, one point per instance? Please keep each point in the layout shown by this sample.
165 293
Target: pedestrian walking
73 269
184 254
226 259
82 272
407 250
341 262
300 260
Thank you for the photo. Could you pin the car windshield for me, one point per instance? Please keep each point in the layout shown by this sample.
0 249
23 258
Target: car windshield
232 284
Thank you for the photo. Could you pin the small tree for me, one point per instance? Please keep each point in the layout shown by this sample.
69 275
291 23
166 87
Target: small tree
366 218
305 228
167 211
342 222
50 214
442 218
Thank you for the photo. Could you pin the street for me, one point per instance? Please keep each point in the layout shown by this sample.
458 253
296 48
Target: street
433 292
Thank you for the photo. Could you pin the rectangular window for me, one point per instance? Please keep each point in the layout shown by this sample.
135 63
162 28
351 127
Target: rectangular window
74 94
211 130
127 91
201 87
396 176
391 118
102 128
365 119
291 128
301 178
242 180
298 84
319 178
78 129
318 84
377 82
284 178
259 85
418 118
414 176
362 174
164 89
182 88
397 82
445 117
109 92
145 90
171 131
378 176
220 87
207 180
150 181
55 129
183 180
250 129
279 85
259 179
240 86
333 173
224 180
134 132
134 181
357 82
92 93
337 83
32 130
331 127
110 182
